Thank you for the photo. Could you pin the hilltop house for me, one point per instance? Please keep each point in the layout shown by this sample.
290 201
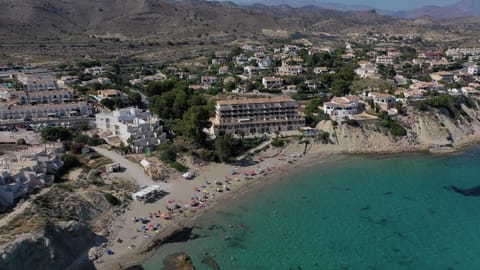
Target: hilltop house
340 107
287 70
272 82
384 101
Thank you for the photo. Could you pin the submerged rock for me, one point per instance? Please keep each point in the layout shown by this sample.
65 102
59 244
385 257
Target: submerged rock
211 263
178 261
475 191
181 235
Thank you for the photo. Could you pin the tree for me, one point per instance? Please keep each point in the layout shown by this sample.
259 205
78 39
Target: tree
194 121
70 161
108 103
226 147
55 133
340 87
135 98
170 105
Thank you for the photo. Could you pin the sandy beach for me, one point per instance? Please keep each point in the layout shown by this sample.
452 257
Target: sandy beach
133 243
129 250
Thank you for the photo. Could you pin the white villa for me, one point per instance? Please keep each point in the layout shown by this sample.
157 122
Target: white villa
384 101
340 107
272 82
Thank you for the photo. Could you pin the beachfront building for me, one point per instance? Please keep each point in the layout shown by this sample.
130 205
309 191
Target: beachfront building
134 127
45 110
26 170
384 101
340 107
253 116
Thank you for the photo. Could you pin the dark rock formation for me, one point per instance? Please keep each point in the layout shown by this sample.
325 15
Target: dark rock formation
475 191
178 261
58 247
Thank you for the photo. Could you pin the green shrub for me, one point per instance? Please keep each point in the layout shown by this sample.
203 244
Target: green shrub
398 130
277 142
352 122
178 166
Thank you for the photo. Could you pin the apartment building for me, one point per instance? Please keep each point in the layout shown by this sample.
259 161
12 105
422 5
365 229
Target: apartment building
260 115
134 127
45 110
33 82
43 97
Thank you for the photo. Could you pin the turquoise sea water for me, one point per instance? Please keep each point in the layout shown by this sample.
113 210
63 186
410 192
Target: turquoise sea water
357 213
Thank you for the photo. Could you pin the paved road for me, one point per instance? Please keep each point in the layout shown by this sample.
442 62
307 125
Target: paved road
132 170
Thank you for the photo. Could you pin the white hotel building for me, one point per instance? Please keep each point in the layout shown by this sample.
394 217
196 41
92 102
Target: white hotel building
134 127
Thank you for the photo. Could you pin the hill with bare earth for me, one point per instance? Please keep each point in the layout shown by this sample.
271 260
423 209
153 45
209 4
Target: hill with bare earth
162 20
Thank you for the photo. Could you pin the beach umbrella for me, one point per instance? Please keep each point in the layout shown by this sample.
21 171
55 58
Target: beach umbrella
109 252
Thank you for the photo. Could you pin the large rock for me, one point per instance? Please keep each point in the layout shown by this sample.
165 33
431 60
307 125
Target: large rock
61 246
178 261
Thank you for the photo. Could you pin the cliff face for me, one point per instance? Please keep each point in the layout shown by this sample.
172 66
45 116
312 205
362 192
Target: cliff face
57 247
425 131
54 243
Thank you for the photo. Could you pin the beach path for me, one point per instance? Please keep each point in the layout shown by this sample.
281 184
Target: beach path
133 170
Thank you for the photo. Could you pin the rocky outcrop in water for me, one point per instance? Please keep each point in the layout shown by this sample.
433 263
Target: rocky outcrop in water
178 261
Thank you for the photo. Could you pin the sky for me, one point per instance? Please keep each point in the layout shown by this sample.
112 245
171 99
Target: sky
395 4
378 4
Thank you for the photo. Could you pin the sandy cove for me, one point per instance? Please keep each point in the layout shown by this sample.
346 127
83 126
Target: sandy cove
275 163
180 192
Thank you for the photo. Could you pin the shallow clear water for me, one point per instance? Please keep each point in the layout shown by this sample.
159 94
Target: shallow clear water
358 213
